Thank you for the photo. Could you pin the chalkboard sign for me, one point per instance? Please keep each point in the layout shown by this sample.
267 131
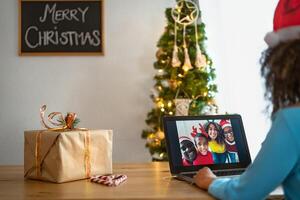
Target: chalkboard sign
66 27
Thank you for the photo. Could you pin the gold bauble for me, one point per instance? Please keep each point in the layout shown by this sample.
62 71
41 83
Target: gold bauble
150 138
173 84
160 135
159 52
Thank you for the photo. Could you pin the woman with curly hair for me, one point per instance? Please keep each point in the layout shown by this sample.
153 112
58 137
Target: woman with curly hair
216 142
278 161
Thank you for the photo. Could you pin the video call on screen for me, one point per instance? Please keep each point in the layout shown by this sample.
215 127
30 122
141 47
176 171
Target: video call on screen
207 142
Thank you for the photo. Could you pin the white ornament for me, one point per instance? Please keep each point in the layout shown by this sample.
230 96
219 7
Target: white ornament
190 15
187 62
175 60
200 58
182 107
165 83
185 13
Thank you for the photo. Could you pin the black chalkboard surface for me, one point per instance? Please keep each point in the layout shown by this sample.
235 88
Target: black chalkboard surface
59 27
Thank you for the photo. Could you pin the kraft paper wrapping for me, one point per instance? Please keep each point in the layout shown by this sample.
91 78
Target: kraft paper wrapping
67 155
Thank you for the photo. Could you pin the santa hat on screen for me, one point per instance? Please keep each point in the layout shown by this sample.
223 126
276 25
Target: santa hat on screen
286 24
224 123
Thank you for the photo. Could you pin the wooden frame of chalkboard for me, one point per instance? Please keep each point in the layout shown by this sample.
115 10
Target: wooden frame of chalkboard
61 27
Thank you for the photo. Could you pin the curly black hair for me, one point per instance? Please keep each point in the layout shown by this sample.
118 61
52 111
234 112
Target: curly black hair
281 71
220 137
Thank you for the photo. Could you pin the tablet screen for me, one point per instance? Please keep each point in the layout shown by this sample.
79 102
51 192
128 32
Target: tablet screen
215 141
205 142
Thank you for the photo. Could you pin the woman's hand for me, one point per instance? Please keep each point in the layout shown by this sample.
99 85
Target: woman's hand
204 178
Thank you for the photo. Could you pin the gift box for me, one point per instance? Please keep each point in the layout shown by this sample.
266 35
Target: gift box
61 156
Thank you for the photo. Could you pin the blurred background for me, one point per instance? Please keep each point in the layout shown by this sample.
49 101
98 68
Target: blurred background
112 91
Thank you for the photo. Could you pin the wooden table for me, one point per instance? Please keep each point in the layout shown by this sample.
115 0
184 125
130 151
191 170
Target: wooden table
145 181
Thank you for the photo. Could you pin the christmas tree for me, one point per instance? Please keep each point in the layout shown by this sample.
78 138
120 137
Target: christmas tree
184 82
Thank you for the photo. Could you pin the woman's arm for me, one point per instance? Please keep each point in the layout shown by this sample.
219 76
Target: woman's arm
272 165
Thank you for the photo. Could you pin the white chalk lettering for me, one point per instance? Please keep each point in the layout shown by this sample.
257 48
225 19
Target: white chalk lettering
35 38
35 29
50 10
57 15
83 12
64 39
96 35
73 14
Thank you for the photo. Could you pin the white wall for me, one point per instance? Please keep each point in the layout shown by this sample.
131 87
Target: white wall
107 92
235 32
113 91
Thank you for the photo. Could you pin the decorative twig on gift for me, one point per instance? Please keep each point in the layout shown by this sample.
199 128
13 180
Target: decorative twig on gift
70 121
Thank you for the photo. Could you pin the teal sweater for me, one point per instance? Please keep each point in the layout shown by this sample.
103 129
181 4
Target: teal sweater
277 163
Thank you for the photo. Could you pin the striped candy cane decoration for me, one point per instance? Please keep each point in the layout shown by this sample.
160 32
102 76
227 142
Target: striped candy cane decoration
109 180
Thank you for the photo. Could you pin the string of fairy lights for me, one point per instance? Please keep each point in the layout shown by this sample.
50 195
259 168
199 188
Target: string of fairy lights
184 14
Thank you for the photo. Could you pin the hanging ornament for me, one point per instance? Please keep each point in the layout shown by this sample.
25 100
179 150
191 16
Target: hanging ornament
159 53
175 60
185 13
160 135
150 138
200 61
187 62
173 84
182 107
165 83
200 58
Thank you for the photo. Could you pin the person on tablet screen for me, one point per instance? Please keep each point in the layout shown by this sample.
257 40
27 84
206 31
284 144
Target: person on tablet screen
278 161
204 156
231 148
188 151
215 141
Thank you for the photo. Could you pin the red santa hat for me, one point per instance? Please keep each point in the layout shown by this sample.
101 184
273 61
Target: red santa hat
224 123
286 24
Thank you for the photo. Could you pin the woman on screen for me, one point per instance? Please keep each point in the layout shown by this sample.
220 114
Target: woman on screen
216 142
278 161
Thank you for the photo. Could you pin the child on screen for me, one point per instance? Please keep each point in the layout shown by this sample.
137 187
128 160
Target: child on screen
204 156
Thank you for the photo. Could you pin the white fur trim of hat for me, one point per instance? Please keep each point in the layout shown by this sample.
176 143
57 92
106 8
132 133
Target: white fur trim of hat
282 35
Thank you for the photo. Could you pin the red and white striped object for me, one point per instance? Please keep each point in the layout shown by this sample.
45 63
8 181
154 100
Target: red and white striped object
109 180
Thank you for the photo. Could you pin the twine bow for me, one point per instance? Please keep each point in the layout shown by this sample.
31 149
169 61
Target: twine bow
59 121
